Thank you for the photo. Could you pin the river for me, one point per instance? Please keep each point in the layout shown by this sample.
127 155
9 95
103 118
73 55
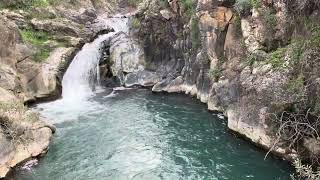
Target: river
135 134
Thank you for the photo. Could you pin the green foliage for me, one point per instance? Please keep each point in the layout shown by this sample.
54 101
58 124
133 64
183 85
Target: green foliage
270 17
243 7
136 23
276 58
256 3
24 4
296 84
297 48
189 7
37 39
251 59
163 3
215 73
195 33
237 23
315 39
42 55
134 3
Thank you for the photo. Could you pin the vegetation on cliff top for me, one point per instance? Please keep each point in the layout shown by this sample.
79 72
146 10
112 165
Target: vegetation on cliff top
195 33
189 7
43 41
26 4
134 3
37 39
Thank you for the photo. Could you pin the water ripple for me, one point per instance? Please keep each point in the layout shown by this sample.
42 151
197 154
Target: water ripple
138 135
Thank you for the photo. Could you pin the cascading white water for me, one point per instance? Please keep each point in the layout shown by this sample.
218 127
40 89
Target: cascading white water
82 76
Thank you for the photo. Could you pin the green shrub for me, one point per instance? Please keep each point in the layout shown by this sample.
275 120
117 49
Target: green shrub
251 59
256 3
276 58
134 3
215 73
42 55
237 24
189 7
136 23
24 4
37 39
296 84
270 17
195 33
297 48
163 4
315 39
243 7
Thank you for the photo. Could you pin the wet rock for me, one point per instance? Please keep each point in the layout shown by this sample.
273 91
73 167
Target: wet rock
43 81
141 78
126 54
23 135
169 85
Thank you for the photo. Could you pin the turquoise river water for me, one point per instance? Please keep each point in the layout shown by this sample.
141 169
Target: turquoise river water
135 134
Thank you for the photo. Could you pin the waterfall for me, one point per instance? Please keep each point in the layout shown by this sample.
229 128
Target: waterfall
82 76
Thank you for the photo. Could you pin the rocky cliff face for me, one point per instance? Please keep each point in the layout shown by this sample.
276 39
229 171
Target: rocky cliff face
256 61
38 41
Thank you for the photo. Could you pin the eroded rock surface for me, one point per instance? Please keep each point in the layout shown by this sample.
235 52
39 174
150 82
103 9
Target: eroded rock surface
37 45
240 63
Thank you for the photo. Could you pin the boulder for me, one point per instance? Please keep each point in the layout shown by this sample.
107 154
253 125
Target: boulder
59 26
9 37
43 81
14 153
141 78
126 55
166 14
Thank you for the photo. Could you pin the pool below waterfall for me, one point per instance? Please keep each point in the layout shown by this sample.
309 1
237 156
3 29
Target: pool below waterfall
135 134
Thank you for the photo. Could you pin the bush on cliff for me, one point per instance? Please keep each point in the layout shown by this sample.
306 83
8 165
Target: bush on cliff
134 3
243 7
24 4
195 33
189 8
37 39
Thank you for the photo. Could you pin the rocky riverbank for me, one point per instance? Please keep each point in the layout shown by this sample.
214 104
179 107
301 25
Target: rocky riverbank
256 61
38 41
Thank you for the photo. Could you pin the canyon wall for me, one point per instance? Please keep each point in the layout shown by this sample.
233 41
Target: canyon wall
251 61
255 61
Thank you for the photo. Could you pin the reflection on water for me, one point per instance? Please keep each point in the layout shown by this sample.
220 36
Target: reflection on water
135 134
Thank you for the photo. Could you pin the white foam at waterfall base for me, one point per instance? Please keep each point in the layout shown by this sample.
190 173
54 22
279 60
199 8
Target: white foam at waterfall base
81 80
82 76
